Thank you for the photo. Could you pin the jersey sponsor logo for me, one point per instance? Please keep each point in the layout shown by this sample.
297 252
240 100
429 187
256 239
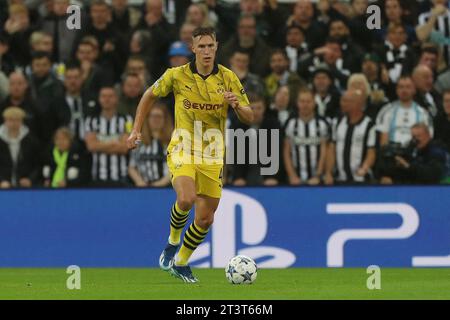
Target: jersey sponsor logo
201 106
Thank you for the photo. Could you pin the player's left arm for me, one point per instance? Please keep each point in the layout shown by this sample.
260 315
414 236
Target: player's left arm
237 99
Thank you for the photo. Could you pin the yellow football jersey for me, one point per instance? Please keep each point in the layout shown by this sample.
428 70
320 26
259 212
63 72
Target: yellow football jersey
200 108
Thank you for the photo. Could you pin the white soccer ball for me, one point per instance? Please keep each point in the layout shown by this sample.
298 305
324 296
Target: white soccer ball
241 270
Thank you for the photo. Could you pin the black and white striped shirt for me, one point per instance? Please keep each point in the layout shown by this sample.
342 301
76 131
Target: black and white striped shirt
352 142
76 119
109 167
150 161
442 25
305 139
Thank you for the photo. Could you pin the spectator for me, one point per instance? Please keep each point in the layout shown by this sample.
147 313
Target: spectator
125 18
358 81
19 150
280 76
249 174
111 44
296 46
331 56
140 43
247 40
105 138
6 59
197 15
424 163
55 24
281 105
19 97
131 93
74 106
353 148
358 25
45 89
426 96
326 97
138 65
429 56
442 122
395 120
303 16
395 54
269 18
66 163
351 52
94 77
148 167
438 19
378 78
305 144
185 34
393 13
239 64
179 54
162 35
19 30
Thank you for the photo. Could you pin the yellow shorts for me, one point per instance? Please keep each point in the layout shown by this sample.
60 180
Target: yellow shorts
207 177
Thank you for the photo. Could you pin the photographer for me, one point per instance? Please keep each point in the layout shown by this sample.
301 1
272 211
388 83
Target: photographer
422 162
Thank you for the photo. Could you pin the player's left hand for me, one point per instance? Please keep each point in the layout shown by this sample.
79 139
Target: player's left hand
231 98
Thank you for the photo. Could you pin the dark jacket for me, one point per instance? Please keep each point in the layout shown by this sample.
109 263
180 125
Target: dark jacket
77 168
442 129
259 55
28 159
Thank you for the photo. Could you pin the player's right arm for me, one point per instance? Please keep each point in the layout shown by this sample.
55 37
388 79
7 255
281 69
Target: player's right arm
144 106
160 88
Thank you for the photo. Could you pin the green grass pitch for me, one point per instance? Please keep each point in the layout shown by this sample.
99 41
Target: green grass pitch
300 283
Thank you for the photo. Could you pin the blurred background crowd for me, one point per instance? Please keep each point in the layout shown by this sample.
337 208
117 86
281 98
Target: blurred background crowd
353 105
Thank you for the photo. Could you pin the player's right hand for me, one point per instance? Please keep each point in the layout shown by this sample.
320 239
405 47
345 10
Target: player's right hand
133 140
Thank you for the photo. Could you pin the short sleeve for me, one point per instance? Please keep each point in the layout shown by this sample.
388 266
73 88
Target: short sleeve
334 126
237 88
164 85
372 137
324 130
382 121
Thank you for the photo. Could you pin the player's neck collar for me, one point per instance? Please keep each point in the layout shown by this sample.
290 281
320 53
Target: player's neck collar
193 68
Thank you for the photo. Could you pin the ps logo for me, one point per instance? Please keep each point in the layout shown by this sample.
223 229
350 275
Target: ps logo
337 241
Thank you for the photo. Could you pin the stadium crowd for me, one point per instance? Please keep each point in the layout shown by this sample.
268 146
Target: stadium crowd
354 105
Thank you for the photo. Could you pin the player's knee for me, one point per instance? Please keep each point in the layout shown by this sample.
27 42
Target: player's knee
205 222
186 202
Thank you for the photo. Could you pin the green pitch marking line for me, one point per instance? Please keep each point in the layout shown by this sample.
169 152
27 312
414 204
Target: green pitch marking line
299 283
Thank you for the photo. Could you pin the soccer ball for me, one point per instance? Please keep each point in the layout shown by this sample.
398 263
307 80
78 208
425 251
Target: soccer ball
241 270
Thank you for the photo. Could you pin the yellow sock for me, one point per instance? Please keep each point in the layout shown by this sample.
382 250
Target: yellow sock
178 219
193 237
